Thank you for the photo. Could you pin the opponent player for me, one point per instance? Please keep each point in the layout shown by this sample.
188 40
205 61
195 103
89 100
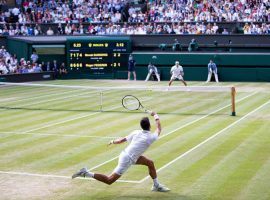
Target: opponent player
177 72
139 142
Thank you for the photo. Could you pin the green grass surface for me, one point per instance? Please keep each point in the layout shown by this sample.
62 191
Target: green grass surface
46 134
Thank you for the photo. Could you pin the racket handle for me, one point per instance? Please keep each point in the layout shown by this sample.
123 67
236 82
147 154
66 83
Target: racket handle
148 111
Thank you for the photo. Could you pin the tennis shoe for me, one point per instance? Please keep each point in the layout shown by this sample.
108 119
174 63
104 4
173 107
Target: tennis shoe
160 188
80 173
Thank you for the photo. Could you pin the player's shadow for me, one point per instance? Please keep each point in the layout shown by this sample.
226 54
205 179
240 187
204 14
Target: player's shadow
104 111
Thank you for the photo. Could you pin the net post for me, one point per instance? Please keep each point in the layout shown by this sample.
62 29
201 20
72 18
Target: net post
233 92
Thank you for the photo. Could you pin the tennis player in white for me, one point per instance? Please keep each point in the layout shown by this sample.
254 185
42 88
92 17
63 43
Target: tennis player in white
139 142
177 72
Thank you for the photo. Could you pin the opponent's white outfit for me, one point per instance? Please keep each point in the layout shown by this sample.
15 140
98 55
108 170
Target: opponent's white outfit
139 141
177 72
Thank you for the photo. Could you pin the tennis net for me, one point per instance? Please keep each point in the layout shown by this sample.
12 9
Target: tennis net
176 100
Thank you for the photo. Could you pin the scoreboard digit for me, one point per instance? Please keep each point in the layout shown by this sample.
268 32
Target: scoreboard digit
98 55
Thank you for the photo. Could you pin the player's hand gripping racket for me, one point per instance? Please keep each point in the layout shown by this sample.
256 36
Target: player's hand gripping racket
131 102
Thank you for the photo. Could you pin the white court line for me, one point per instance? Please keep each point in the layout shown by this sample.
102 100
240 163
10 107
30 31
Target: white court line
55 94
59 98
192 122
58 135
101 164
207 140
58 176
72 119
131 181
42 96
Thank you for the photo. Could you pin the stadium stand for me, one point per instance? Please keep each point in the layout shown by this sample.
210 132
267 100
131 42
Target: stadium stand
117 17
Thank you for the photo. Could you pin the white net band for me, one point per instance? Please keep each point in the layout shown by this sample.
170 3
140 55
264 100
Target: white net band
142 88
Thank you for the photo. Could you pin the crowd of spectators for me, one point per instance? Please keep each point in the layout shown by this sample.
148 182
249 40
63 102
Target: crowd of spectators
9 64
121 17
132 29
209 11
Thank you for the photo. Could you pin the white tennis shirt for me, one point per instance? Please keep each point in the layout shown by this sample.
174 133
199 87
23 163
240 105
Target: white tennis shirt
139 141
176 71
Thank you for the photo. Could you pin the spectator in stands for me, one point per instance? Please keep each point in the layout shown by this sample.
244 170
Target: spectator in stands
3 67
176 46
55 68
50 31
13 63
225 31
75 12
193 45
63 69
49 67
131 67
43 66
37 68
34 57
37 30
212 68
60 29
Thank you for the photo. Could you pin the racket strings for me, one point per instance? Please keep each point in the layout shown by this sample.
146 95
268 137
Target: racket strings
131 103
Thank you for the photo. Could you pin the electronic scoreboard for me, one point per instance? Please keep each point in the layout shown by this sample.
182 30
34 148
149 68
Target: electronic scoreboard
98 55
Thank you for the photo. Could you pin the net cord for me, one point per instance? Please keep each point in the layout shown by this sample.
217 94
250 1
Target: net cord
143 88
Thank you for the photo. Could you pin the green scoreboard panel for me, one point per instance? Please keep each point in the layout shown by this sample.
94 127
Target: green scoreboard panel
98 55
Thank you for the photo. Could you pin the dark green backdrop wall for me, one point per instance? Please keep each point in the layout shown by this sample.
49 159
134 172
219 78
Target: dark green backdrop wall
231 66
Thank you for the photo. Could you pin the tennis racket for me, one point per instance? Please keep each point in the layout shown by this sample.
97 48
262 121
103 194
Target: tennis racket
131 102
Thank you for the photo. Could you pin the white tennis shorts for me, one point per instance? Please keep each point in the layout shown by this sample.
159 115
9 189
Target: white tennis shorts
179 77
124 162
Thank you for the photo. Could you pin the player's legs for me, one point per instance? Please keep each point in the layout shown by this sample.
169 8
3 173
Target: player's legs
183 81
100 177
216 77
148 76
209 77
157 75
142 160
134 75
107 179
124 163
172 79
128 75
180 78
150 164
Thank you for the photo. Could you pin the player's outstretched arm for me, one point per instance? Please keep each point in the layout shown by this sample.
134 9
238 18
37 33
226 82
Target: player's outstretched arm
157 120
117 141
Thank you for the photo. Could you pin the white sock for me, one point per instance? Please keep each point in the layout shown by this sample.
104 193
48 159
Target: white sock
156 183
89 174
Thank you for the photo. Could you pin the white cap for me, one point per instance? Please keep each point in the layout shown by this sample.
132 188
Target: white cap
177 62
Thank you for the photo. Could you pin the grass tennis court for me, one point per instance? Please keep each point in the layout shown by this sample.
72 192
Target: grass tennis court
46 134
